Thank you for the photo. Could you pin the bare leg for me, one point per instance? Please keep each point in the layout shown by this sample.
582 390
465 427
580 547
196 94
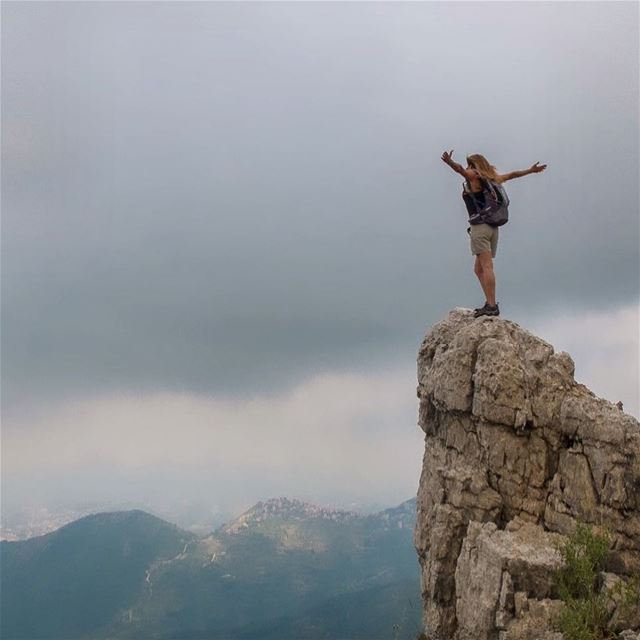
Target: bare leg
477 268
484 271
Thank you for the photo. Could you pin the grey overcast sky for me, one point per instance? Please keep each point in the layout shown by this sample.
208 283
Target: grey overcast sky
213 207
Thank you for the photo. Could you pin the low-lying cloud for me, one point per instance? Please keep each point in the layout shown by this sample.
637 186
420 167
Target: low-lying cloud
347 435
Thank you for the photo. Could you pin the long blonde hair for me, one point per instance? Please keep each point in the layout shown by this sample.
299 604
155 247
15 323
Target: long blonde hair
483 167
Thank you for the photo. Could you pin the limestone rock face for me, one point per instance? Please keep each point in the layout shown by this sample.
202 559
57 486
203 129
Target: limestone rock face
516 452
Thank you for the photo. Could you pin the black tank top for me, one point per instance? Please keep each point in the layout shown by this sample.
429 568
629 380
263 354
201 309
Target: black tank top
479 197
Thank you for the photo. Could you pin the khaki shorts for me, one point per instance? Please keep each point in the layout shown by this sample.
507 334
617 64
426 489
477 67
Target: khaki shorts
484 237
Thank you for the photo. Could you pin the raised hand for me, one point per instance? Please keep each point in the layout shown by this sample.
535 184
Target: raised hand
537 167
446 156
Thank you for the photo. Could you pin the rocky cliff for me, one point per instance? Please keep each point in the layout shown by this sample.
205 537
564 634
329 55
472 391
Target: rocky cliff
516 452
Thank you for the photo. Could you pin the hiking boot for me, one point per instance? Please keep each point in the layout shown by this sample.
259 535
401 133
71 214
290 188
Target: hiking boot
488 310
479 309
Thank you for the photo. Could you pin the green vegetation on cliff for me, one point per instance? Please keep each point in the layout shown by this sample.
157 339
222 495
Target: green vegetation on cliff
589 606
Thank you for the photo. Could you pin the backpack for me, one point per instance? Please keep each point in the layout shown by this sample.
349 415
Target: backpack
495 208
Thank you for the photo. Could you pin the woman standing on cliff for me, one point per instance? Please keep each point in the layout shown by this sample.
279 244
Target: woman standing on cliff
484 237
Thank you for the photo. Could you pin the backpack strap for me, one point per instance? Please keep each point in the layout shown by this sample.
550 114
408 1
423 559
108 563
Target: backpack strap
489 186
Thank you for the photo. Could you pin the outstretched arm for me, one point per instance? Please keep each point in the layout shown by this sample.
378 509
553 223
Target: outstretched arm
535 168
458 168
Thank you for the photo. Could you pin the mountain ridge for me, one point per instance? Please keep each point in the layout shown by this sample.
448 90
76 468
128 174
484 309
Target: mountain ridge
283 507
280 506
138 576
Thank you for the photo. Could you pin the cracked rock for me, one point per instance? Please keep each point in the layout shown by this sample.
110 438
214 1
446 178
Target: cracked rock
516 452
